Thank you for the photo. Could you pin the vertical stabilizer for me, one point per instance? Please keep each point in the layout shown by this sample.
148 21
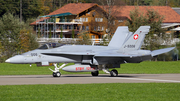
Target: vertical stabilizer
135 41
119 37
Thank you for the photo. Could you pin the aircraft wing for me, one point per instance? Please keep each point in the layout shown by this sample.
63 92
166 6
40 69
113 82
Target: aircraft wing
67 53
161 51
118 58
116 55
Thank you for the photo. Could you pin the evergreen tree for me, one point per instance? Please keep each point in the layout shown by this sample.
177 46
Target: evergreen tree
16 37
154 20
10 33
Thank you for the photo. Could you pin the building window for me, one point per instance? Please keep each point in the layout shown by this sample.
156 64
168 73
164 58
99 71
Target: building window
87 28
102 28
80 19
70 26
86 19
64 27
94 28
83 19
98 28
83 27
92 36
120 20
98 19
101 19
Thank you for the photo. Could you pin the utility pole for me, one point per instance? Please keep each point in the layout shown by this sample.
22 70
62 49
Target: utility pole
20 11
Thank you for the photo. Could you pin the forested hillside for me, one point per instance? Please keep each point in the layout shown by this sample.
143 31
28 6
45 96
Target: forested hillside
35 8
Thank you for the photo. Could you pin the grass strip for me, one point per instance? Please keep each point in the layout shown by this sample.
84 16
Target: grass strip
92 92
146 67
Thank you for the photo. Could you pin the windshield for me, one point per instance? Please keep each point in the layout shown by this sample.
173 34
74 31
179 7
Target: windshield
50 45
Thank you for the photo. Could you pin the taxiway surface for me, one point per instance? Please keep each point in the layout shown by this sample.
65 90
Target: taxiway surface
87 79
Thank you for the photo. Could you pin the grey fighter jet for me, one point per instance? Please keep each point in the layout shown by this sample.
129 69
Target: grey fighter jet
124 47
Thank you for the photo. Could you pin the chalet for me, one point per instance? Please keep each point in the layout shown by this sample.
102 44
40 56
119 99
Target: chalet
76 17
73 17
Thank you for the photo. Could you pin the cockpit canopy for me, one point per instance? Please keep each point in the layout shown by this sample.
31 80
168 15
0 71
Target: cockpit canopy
50 45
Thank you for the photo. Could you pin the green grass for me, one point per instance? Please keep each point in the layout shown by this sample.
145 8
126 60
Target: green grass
146 67
149 67
92 92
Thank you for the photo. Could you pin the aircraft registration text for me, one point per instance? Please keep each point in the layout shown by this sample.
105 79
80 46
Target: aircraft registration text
129 46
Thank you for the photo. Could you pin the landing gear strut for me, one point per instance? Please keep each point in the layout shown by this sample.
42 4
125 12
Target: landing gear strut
56 72
113 72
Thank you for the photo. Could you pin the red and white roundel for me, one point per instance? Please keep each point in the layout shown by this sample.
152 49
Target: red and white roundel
135 36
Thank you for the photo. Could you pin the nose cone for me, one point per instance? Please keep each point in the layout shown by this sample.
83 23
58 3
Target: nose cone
8 61
15 59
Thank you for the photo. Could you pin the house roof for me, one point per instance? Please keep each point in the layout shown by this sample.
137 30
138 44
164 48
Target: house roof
73 8
170 16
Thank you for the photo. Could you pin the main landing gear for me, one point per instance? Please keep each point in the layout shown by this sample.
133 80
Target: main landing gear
113 73
56 72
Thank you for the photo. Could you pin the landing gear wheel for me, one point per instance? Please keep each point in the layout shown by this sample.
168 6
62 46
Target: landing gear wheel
57 74
114 73
95 73
54 74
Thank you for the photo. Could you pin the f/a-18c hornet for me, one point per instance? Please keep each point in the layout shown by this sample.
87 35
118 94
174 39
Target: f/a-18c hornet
123 48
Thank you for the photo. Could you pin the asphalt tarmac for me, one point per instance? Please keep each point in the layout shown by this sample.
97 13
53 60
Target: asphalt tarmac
88 79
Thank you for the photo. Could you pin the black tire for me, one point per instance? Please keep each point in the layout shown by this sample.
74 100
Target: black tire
57 74
95 73
114 73
54 74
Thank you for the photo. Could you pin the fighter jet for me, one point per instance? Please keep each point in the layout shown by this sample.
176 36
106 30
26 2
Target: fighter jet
124 47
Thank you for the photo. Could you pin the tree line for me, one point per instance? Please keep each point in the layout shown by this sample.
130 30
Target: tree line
35 8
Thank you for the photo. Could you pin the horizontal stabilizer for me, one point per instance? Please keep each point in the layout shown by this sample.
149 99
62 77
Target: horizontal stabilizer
161 51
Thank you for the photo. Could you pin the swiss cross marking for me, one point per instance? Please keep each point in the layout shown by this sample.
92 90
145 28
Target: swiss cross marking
135 37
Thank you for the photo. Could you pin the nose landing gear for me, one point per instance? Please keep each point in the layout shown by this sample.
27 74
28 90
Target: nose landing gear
56 72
